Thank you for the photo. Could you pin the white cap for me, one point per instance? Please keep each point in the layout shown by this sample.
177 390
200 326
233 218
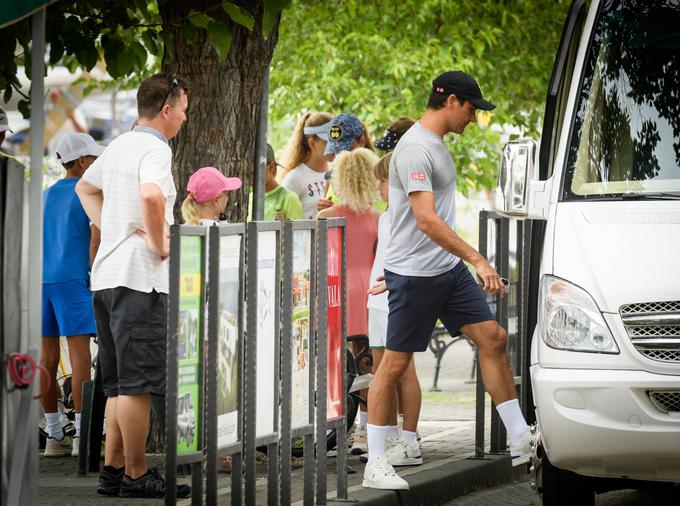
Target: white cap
73 145
4 123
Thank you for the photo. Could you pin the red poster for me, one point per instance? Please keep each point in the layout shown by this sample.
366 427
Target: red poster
334 400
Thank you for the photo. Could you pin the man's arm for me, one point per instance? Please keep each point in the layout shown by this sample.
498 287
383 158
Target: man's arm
153 218
95 239
429 222
92 200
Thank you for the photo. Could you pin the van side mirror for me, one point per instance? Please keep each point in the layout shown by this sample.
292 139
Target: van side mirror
518 168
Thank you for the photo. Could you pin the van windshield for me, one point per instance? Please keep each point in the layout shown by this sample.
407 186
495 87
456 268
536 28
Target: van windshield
625 142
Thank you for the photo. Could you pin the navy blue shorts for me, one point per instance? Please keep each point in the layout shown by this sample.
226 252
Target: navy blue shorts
417 302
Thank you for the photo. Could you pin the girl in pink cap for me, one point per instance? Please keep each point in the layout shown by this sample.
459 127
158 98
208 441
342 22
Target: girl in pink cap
207 196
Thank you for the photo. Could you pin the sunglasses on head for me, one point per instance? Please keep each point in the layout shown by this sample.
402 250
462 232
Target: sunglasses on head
173 84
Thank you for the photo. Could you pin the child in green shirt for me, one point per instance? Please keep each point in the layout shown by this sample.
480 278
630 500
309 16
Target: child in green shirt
279 203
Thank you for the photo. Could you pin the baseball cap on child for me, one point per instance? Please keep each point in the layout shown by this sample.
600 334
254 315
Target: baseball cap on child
73 145
208 182
344 130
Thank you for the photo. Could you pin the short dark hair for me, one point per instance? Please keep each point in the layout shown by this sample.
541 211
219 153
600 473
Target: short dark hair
69 165
438 100
401 125
156 90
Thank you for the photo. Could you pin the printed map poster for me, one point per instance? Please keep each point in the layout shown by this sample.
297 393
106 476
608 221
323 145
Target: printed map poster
228 341
189 345
302 264
335 348
266 332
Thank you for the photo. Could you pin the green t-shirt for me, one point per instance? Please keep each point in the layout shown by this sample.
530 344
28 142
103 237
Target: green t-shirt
279 198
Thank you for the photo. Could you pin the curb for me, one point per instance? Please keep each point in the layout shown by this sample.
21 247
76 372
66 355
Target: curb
443 482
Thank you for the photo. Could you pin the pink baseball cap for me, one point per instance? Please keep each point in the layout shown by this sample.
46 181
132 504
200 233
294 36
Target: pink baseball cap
208 182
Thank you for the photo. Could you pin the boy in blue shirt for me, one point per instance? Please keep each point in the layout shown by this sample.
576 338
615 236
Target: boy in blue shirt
69 246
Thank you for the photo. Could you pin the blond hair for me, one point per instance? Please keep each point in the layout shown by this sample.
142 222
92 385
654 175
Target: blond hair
353 179
191 210
297 150
381 170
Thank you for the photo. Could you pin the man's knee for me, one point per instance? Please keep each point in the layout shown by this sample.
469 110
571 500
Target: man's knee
495 341
395 363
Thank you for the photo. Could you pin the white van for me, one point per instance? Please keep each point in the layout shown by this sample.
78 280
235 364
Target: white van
604 188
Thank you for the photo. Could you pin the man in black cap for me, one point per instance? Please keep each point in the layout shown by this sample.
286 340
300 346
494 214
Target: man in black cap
428 280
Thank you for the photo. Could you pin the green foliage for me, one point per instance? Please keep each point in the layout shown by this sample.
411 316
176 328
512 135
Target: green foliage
377 58
127 35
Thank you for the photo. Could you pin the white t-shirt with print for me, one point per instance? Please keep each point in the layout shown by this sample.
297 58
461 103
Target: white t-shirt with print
308 185
123 258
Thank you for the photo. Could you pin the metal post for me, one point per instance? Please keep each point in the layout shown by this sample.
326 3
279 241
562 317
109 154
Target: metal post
523 311
273 446
171 380
261 151
250 363
495 419
286 361
479 386
341 430
308 464
213 269
502 259
322 359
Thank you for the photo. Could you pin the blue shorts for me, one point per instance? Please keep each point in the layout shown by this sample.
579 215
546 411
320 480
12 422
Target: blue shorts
417 302
67 309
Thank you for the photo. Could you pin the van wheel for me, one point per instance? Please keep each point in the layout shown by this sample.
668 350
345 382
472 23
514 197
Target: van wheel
563 488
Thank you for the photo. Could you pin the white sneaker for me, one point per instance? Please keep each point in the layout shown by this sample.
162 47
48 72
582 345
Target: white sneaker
380 474
58 447
359 441
76 446
522 451
399 453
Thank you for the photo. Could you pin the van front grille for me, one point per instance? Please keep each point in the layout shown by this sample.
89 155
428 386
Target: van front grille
654 329
667 401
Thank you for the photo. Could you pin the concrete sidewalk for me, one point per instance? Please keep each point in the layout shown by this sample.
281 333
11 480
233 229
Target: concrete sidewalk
447 429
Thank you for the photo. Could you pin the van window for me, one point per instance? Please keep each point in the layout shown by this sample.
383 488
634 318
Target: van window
626 136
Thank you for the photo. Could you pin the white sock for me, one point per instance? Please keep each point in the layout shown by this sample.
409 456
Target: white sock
400 420
393 432
54 429
77 424
363 418
377 439
514 421
409 437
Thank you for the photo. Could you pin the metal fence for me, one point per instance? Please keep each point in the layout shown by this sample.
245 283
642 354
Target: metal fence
256 340
505 243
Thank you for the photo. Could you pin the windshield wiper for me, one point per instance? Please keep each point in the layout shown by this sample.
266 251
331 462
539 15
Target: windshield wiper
651 196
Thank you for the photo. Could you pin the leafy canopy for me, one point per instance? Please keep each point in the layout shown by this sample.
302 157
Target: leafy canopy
377 58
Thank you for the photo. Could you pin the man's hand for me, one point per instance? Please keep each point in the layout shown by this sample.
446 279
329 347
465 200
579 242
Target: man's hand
153 218
379 287
324 203
165 250
489 277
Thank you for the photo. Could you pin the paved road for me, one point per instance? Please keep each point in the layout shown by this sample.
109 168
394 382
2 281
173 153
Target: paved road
521 494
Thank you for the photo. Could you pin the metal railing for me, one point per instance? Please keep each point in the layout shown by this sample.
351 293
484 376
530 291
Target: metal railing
229 388
505 244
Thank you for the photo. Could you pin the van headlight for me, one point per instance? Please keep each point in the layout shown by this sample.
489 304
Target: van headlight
569 319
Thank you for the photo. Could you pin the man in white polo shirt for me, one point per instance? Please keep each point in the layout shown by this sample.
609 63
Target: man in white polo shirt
129 194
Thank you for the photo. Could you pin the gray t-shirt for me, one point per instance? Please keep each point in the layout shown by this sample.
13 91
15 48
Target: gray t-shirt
420 162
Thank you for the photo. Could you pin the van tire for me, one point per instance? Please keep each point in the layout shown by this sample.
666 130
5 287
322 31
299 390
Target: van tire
564 488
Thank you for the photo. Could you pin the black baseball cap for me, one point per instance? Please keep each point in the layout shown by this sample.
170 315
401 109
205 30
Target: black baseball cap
463 86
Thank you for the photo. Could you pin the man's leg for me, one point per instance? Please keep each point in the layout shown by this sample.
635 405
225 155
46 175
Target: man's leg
133 413
49 358
378 354
113 451
81 362
491 340
381 399
410 399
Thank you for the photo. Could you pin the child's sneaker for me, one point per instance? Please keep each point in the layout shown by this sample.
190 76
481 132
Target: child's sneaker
76 446
401 454
58 447
359 441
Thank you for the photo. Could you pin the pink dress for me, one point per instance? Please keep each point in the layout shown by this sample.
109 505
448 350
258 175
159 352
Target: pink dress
362 235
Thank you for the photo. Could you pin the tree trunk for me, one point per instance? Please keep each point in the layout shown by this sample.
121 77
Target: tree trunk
224 98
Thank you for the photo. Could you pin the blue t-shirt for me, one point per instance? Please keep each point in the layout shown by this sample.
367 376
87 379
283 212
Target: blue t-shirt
66 234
